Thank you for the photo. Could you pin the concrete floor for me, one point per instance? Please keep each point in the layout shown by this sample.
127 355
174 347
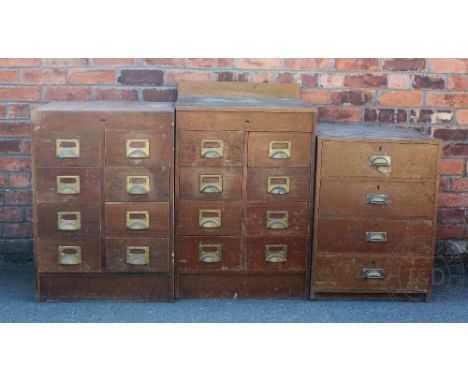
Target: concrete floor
449 304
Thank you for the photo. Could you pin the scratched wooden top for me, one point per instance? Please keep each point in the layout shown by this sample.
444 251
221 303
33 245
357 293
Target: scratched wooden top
107 106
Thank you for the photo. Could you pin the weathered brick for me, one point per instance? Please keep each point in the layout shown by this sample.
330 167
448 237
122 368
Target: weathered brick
17 230
225 76
9 129
431 116
366 81
2 111
172 78
113 61
10 62
428 82
445 183
261 76
67 93
92 77
309 80
65 62
450 134
28 214
400 98
404 64
331 81
116 94
11 214
320 97
449 65
20 181
15 164
43 76
258 63
371 115
356 64
452 166
11 146
286 78
141 77
462 117
20 93
306 63
398 81
18 197
328 114
18 111
209 62
447 100
450 232
8 76
457 83
352 97
159 94
385 115
166 62
456 150
27 147
460 184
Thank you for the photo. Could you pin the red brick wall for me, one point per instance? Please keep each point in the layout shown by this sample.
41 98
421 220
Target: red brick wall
429 95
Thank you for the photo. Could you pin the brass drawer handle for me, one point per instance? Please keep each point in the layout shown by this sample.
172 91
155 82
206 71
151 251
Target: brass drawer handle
69 221
67 148
376 237
280 150
209 253
276 253
137 255
377 199
69 255
380 160
137 148
212 148
211 183
209 218
277 219
68 185
372 273
278 185
138 220
138 185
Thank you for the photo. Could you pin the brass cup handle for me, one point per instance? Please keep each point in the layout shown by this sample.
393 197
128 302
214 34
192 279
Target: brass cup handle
277 219
69 255
69 220
276 253
137 148
211 183
67 148
212 148
380 160
68 185
279 150
379 199
137 220
278 185
138 255
138 185
372 273
376 237
209 218
209 253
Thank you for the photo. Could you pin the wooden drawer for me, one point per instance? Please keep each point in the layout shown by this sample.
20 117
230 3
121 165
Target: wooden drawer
217 183
68 219
138 149
68 255
137 255
346 197
351 272
278 185
375 236
128 184
211 148
277 253
137 219
399 160
67 148
280 149
210 218
288 219
67 185
197 253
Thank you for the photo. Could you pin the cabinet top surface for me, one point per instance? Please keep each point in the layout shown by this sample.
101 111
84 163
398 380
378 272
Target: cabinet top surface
107 106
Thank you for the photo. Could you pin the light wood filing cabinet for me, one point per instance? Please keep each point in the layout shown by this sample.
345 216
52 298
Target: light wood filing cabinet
243 190
103 215
375 212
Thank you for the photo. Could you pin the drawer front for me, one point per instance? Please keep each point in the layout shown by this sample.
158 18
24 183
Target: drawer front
68 255
138 149
210 218
68 219
210 148
210 183
376 236
66 148
280 149
345 197
197 253
137 219
288 219
380 273
277 253
278 185
137 255
382 160
127 184
67 185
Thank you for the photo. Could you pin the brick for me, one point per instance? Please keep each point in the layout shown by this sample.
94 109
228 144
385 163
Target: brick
10 214
20 181
451 166
9 129
371 115
18 197
315 96
92 77
172 78
2 111
26 147
67 93
166 62
159 94
457 83
431 116
10 62
356 64
445 183
451 216
28 214
44 76
460 184
447 100
456 150
18 111
306 63
352 97
10 147
15 164
7 76
3 180
20 93
449 65
450 134
404 64
428 82
385 115
398 81
16 250
113 61
450 199
286 78
209 62
450 232
141 77
65 62
259 63
261 76
309 80
116 94
331 81
400 98
17 230
232 76
366 81
462 117
328 114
